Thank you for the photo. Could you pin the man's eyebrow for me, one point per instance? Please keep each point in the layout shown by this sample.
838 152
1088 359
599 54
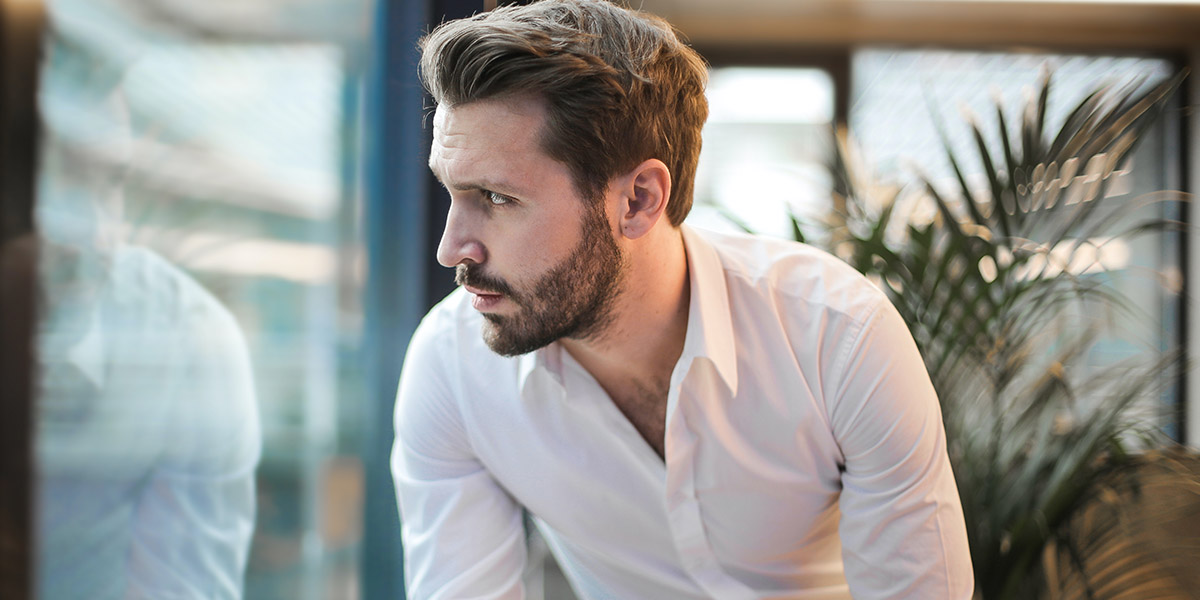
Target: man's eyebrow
491 186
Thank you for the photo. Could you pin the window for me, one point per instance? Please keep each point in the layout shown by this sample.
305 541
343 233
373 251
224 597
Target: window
199 419
765 149
897 92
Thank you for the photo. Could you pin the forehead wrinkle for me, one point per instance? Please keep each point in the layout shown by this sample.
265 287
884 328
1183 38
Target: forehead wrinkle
466 173
461 165
495 145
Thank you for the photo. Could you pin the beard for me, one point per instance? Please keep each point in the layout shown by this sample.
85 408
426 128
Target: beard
574 299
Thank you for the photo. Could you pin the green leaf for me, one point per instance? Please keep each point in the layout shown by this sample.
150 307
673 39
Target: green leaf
1032 432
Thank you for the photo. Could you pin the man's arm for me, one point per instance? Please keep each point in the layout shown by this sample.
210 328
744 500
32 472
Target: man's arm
902 528
463 534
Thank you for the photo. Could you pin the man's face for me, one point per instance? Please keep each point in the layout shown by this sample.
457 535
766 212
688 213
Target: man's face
540 261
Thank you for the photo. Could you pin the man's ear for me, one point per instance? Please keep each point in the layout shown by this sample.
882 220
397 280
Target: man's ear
644 196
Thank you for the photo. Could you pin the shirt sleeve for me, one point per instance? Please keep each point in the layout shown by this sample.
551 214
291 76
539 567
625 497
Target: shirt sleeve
463 533
902 528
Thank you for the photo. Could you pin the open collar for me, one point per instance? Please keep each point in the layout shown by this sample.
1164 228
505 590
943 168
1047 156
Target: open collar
547 359
710 323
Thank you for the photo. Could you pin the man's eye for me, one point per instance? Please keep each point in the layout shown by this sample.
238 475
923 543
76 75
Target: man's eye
497 199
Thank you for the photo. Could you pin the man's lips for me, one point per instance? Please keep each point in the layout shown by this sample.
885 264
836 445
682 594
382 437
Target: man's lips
483 300
479 292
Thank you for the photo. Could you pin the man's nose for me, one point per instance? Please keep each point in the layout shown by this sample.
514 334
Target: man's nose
460 240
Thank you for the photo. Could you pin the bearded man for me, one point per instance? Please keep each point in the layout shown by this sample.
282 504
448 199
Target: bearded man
683 414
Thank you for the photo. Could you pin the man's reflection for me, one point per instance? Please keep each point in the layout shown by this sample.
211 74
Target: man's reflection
147 425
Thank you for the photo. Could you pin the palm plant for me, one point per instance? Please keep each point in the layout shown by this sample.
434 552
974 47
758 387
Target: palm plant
1138 535
992 289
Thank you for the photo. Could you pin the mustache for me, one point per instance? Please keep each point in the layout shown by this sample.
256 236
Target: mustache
473 275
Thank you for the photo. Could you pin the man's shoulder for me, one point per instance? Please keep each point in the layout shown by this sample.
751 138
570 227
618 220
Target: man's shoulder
451 382
442 329
450 314
449 336
790 272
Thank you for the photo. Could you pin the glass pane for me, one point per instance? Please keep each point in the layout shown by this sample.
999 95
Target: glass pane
897 94
198 415
765 148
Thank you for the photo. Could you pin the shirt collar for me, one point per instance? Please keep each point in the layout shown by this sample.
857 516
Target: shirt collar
710 323
548 359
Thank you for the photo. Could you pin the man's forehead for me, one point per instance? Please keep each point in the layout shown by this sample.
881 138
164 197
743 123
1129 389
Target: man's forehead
515 113
492 144
506 126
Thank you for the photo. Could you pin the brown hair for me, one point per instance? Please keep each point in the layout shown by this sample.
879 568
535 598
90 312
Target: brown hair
619 85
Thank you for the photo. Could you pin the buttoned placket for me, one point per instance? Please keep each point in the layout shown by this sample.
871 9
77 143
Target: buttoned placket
683 506
586 394
684 516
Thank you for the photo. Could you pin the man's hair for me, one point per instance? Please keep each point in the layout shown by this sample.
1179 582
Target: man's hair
619 85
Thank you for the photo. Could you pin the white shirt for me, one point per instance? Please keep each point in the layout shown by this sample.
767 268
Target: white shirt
804 454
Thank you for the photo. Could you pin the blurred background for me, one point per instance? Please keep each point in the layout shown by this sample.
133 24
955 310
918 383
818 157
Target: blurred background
236 230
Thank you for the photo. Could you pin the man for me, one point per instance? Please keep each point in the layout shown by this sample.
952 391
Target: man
684 414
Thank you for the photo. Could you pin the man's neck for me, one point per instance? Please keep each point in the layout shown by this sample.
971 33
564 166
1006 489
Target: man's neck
639 349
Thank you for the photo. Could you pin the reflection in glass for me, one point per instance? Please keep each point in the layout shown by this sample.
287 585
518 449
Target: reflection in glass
201 171
147 432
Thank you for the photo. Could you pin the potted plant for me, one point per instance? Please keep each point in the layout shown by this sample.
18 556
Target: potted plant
1045 449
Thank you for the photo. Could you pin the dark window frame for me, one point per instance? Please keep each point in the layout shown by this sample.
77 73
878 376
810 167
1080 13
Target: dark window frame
21 26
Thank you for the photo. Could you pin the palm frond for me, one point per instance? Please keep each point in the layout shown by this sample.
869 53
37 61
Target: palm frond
988 288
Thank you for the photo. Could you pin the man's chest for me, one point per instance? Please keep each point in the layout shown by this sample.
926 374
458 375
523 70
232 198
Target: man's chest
645 407
747 480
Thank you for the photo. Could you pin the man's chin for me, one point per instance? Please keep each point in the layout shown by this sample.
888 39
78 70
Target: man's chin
506 344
